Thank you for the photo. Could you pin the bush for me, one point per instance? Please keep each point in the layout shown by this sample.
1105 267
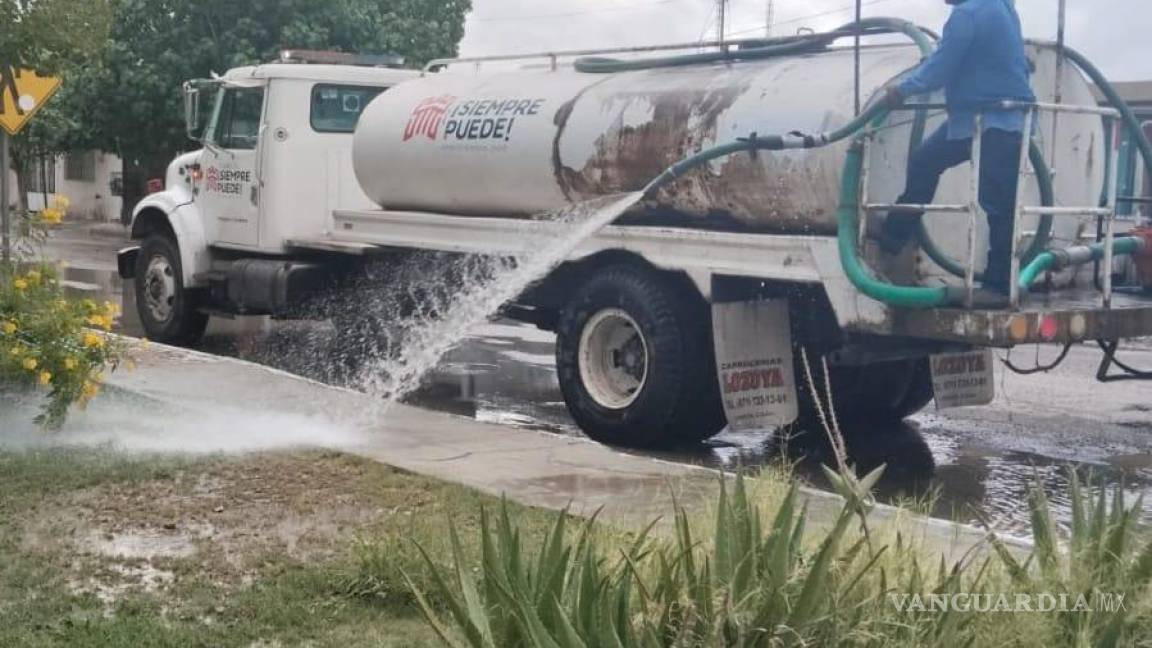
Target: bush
49 343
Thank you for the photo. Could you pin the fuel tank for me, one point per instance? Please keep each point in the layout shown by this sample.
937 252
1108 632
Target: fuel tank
520 142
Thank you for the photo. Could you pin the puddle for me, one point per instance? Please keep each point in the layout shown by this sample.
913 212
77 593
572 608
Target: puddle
144 544
118 581
502 372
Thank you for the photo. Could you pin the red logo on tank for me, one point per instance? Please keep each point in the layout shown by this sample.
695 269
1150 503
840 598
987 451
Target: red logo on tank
427 117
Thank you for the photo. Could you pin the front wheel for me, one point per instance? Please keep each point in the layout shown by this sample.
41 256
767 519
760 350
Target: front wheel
635 361
167 309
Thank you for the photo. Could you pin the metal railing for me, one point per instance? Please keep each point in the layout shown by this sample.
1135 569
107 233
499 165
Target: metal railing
554 58
975 210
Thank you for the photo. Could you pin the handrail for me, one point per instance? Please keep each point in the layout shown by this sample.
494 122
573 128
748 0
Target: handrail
435 64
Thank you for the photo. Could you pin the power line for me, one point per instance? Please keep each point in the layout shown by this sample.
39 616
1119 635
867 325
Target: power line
579 12
830 12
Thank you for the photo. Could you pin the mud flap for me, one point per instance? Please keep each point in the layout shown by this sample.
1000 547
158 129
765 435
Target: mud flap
963 379
754 363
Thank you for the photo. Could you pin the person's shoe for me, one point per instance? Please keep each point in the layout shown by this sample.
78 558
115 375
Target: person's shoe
991 297
895 234
891 244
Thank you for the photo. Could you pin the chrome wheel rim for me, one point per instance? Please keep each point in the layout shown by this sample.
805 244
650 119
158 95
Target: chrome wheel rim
160 288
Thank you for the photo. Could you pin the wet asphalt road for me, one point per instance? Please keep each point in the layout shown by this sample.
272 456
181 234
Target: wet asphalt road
975 463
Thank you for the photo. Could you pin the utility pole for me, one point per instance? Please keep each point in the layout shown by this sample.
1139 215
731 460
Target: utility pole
721 28
769 18
856 54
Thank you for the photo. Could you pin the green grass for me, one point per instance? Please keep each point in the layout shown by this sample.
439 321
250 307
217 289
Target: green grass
346 591
378 557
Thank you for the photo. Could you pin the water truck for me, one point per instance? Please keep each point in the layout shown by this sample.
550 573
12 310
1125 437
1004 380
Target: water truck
742 261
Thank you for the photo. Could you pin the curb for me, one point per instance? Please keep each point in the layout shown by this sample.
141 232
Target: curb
532 467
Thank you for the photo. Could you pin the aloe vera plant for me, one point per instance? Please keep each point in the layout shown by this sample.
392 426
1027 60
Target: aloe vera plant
747 583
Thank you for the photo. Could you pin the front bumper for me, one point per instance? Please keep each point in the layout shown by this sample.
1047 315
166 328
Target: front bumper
126 261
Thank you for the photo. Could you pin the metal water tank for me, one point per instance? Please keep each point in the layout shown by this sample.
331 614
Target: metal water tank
520 142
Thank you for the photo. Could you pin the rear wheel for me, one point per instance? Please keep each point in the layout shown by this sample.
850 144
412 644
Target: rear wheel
635 361
168 311
881 392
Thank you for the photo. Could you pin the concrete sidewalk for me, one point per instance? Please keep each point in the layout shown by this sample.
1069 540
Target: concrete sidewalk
188 401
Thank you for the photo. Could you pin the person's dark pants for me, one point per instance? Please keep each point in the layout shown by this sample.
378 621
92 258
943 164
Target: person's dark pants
999 177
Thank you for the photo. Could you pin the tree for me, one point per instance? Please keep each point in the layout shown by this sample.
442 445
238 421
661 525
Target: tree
51 37
46 35
132 96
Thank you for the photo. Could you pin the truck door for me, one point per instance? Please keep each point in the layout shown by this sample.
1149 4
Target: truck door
230 191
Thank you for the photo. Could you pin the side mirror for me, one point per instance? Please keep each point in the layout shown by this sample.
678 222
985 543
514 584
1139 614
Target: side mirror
192 111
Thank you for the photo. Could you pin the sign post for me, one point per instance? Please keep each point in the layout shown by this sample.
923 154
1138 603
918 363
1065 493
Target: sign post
5 218
23 93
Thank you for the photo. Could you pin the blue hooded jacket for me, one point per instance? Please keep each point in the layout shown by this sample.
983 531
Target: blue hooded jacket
980 60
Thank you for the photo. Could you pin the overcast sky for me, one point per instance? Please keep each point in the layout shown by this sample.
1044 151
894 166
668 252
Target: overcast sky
1115 34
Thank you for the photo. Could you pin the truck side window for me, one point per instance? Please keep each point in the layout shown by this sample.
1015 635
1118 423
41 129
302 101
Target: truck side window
238 124
337 108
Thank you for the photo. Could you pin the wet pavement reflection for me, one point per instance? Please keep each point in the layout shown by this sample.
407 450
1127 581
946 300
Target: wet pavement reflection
503 373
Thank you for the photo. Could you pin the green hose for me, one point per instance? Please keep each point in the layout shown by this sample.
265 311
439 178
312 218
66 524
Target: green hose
786 46
1123 246
1116 101
767 143
858 274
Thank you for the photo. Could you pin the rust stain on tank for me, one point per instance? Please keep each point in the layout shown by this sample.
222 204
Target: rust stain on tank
758 192
627 157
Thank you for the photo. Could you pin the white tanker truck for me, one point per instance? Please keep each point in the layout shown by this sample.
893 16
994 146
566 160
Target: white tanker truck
682 315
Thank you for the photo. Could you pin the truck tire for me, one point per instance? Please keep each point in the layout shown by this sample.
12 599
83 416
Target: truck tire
168 311
635 361
883 392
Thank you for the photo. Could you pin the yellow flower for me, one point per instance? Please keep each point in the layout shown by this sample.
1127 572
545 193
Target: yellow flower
111 310
69 363
90 389
30 364
17 351
61 202
33 277
52 216
20 284
93 341
45 377
101 321
8 327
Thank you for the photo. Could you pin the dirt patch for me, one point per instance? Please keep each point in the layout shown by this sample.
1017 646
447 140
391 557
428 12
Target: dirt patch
218 519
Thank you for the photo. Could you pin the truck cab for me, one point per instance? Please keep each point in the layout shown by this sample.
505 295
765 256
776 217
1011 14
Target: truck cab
275 163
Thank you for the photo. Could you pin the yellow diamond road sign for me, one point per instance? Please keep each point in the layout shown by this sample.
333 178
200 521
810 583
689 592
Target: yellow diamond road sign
22 94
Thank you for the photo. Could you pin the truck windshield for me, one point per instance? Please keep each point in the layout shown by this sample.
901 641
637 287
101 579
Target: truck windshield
337 108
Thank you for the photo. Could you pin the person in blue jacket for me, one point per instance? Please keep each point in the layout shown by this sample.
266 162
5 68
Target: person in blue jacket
980 61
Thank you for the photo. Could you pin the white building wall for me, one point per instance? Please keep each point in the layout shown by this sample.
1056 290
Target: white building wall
91 199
